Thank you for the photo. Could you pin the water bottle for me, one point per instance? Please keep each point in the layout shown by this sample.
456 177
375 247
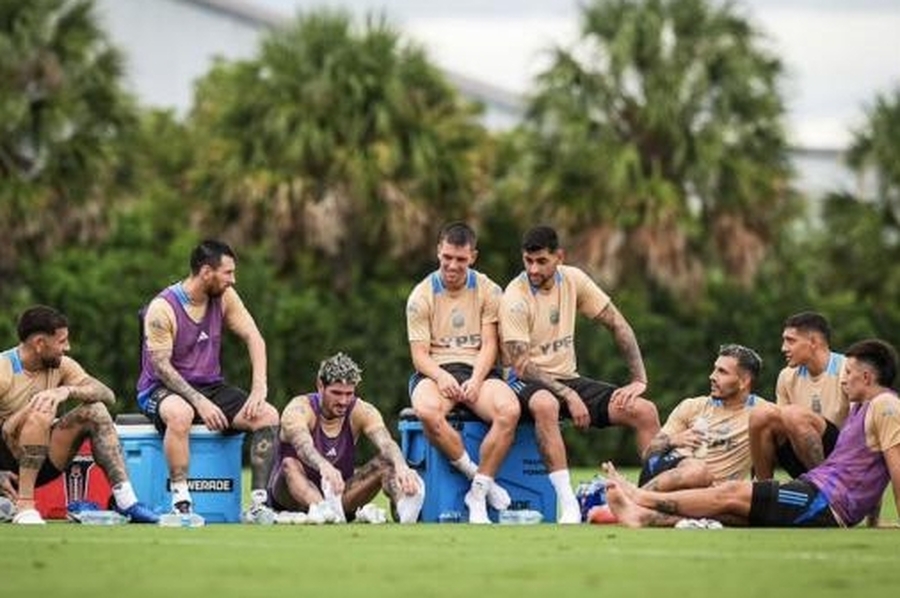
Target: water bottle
450 517
99 517
181 520
520 517
701 426
591 494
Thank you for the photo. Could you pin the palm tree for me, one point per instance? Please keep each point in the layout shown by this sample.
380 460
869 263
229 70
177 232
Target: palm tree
657 142
341 140
860 259
61 112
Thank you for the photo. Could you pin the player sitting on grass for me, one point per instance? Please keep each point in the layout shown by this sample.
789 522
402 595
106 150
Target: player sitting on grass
840 492
315 471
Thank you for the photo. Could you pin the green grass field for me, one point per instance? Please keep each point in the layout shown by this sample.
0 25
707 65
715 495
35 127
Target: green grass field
444 560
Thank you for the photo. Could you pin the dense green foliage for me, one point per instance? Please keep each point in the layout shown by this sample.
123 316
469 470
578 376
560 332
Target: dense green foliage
331 158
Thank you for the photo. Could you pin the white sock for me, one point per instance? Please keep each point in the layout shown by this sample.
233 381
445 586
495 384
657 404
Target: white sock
481 484
562 483
124 494
180 492
465 465
408 507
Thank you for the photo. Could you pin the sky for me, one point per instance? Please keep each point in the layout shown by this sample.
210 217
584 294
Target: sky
838 53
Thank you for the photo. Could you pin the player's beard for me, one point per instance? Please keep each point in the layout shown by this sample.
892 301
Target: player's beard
51 363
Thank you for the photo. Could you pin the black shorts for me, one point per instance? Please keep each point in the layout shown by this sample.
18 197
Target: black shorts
788 459
595 394
796 503
229 399
658 463
8 462
460 371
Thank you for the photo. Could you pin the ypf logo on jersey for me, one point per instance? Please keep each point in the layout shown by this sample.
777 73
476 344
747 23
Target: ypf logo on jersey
219 485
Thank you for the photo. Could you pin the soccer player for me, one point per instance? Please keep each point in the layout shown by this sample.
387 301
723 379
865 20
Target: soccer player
840 492
181 378
316 460
451 319
537 329
35 377
705 439
800 429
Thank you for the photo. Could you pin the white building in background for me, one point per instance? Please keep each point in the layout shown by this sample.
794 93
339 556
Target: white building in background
169 44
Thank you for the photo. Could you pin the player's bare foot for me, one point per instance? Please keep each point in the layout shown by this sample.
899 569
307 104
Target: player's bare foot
613 475
631 514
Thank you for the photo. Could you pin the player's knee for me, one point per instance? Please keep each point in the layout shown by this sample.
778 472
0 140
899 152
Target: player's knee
544 407
431 416
267 417
37 420
731 493
178 421
645 414
763 417
506 414
697 472
797 418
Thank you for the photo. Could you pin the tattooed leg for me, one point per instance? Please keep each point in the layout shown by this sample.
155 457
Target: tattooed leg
376 474
262 455
631 514
30 463
93 420
809 449
545 409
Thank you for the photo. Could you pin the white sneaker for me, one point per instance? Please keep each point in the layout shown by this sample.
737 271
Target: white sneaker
477 509
320 513
498 497
290 518
258 515
371 513
701 523
28 517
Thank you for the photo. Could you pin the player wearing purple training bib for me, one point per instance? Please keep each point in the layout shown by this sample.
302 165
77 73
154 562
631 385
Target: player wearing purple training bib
315 473
181 376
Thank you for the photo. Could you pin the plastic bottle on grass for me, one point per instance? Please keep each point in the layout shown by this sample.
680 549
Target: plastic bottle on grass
99 517
520 517
181 520
450 517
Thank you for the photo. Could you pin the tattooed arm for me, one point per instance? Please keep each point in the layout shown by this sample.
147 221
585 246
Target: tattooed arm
625 339
208 411
92 391
372 425
516 354
295 424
